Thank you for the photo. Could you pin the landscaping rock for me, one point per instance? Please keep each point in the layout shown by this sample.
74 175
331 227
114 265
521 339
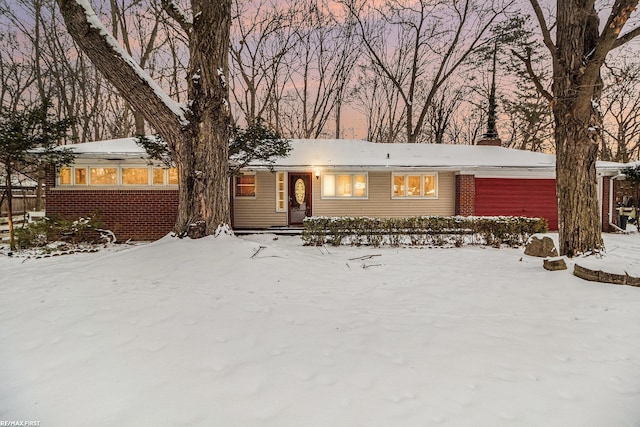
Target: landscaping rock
554 264
541 247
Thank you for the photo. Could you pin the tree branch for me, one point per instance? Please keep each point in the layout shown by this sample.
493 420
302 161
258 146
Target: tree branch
135 85
546 33
178 15
627 37
534 77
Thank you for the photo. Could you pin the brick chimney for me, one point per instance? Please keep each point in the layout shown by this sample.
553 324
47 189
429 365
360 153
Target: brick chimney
492 142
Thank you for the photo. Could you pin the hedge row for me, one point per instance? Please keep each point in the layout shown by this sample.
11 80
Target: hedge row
421 231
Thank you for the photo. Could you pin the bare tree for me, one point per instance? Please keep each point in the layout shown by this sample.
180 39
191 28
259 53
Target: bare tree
578 53
621 107
321 64
418 47
262 35
197 137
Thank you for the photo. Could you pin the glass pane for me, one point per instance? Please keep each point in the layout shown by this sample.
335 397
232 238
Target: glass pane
173 176
245 185
81 176
65 176
135 176
429 185
328 185
413 186
299 190
344 186
398 186
360 185
104 176
158 176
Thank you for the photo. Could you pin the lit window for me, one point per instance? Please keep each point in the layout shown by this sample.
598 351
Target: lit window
158 176
173 176
81 176
414 186
246 185
135 176
345 189
281 192
104 176
65 176
344 186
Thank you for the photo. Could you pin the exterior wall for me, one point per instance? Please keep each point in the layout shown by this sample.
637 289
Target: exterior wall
136 214
381 205
465 195
517 197
605 205
259 211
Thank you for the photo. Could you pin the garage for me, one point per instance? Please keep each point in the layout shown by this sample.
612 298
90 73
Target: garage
517 197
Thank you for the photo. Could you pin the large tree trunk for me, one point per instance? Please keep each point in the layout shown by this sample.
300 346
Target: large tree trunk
199 144
203 161
576 91
577 187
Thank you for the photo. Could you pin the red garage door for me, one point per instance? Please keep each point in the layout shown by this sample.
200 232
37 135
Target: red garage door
517 197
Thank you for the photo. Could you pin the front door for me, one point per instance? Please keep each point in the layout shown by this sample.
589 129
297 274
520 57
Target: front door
299 197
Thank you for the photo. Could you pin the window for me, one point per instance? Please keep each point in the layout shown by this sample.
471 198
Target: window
281 192
246 185
65 176
104 176
158 176
141 175
341 185
80 176
410 186
135 176
173 176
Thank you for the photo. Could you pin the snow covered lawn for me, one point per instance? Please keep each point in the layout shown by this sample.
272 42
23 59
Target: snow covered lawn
211 333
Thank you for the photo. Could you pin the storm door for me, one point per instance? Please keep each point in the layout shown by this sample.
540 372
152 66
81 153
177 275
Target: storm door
299 197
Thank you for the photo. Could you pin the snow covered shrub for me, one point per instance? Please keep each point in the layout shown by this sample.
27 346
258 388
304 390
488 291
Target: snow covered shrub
48 230
421 230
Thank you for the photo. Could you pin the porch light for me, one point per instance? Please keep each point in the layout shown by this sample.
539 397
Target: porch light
317 173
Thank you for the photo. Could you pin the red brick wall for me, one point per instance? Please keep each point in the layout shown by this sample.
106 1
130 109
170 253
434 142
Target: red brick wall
130 214
465 195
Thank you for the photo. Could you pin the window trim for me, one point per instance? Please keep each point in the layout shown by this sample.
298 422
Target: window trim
285 192
351 197
255 186
422 175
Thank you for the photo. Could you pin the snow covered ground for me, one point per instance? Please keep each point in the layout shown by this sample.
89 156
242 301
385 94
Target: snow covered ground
215 332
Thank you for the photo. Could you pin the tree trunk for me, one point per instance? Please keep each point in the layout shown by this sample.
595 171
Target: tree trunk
577 188
578 121
8 176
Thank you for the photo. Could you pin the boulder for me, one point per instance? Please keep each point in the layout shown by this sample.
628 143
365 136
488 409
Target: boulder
554 264
541 247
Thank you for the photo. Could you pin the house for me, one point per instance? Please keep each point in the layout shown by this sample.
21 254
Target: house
138 199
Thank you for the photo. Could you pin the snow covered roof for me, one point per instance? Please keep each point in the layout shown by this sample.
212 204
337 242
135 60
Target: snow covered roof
335 153
344 153
125 147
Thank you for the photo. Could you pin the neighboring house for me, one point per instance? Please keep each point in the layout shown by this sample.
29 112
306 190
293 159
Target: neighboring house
138 199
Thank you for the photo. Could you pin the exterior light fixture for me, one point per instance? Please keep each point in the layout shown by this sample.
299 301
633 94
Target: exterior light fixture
317 173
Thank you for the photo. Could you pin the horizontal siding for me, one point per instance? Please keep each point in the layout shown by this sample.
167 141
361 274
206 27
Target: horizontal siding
381 205
517 197
259 212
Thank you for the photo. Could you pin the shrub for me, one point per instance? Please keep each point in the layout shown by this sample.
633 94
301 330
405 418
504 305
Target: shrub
48 230
421 230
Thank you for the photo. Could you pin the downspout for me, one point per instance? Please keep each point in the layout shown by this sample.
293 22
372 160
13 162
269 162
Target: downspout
615 227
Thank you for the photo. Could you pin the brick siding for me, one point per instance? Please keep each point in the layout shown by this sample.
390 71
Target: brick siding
136 214
465 195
